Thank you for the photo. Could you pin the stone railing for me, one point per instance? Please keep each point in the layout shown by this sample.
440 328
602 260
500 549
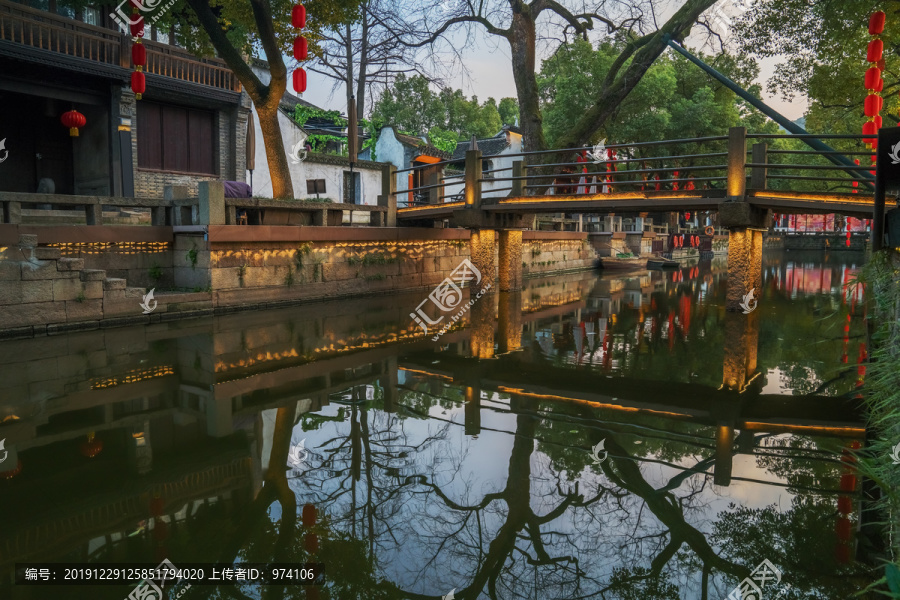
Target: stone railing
177 208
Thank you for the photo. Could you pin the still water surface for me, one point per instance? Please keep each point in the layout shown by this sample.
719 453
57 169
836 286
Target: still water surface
616 436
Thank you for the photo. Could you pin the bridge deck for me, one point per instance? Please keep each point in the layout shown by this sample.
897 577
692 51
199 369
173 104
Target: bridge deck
855 205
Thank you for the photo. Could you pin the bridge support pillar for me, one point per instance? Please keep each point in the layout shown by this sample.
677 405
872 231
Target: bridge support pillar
741 342
481 325
744 267
481 252
509 319
510 260
723 464
472 410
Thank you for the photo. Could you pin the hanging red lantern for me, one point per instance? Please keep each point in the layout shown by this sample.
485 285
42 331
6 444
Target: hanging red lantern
138 56
311 543
138 84
301 48
881 64
876 49
878 122
876 23
12 472
871 106
880 86
300 80
137 29
309 515
873 74
73 120
92 447
298 16
156 505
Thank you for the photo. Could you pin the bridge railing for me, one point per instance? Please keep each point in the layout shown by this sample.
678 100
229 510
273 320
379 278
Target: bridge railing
667 168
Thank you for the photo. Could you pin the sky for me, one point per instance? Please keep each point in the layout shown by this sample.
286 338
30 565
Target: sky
490 72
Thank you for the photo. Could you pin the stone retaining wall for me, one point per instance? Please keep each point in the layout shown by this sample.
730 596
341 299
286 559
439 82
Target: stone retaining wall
221 269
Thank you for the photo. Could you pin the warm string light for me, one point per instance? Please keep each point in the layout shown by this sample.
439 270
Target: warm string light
78 248
133 376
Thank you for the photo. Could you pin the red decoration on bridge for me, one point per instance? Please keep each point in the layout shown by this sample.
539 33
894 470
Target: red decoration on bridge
73 120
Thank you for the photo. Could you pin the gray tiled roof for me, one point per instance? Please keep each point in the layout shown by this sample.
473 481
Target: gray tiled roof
489 147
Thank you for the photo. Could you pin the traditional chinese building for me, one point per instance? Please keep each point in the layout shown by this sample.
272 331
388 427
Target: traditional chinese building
190 125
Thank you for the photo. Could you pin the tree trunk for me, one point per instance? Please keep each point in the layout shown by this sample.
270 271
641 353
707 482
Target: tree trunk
522 47
276 157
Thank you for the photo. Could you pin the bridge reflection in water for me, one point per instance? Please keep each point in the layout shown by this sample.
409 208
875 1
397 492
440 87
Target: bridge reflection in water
464 463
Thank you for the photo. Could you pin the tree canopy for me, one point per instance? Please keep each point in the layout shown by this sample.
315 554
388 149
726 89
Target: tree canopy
412 106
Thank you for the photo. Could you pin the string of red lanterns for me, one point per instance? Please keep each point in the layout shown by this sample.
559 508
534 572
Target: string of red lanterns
138 52
874 84
301 48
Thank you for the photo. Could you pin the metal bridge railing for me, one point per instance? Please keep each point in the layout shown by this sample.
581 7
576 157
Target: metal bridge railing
706 164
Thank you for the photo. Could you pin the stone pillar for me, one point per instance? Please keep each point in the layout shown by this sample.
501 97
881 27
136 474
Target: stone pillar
518 185
389 384
12 212
212 203
473 176
737 164
741 342
758 175
481 325
481 251
509 319
388 195
723 464
472 410
510 260
93 214
745 247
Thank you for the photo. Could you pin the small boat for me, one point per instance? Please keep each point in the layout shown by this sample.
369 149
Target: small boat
662 263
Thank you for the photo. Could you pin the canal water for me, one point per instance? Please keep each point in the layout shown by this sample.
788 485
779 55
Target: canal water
594 436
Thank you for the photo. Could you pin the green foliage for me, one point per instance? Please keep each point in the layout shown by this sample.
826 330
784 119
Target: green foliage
289 278
674 99
509 111
81 297
443 140
155 273
411 105
191 256
302 115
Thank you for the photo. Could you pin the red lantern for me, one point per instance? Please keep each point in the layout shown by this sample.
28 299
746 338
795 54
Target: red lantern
871 105
301 48
92 447
137 29
687 216
876 23
138 84
73 120
881 64
12 472
872 77
876 49
309 515
311 543
878 122
845 505
156 505
298 16
880 86
138 55
300 81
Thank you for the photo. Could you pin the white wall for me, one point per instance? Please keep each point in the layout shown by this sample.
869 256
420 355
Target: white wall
291 134
389 149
